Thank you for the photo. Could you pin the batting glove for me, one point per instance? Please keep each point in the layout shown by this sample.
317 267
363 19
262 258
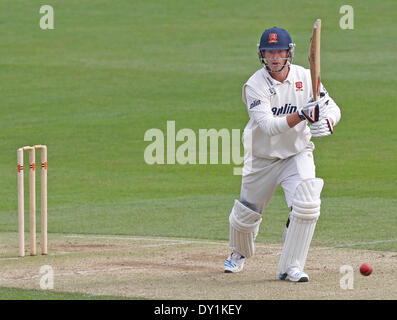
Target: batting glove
322 128
314 110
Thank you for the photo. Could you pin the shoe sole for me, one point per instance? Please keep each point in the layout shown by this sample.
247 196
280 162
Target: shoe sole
285 277
229 271
233 271
303 279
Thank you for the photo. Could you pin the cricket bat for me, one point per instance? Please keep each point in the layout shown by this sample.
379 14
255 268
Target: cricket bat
314 59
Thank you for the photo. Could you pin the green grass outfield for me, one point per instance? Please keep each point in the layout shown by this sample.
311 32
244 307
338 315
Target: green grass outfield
26 294
111 70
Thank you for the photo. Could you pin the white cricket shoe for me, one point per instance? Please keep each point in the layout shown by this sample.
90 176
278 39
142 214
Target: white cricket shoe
294 275
234 263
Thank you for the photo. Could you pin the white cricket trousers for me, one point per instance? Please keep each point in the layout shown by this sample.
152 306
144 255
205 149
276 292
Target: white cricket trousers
261 177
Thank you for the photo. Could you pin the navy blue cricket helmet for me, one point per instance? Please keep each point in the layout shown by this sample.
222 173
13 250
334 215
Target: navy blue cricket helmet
275 39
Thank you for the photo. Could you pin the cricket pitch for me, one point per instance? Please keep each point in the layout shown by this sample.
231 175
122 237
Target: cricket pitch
167 268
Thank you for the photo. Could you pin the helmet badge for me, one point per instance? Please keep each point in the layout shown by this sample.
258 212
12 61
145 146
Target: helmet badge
273 38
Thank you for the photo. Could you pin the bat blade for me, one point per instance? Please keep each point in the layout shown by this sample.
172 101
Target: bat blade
314 58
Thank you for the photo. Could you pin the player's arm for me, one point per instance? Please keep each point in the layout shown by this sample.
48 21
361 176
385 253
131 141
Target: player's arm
259 109
293 119
333 111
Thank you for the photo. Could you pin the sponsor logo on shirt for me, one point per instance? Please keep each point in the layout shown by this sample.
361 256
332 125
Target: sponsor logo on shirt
286 109
255 103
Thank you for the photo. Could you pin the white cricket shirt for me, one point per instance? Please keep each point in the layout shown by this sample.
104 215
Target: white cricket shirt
268 103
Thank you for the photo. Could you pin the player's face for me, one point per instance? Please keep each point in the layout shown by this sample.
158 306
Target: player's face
275 59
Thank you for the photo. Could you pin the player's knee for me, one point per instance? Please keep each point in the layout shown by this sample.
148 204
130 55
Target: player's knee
249 205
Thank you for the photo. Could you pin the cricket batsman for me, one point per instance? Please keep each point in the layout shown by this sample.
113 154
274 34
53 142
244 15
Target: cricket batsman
279 151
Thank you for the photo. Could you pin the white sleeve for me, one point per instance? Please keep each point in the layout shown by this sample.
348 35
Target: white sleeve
333 110
259 110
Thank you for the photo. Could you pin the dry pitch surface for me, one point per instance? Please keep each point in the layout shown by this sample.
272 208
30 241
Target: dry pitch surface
158 268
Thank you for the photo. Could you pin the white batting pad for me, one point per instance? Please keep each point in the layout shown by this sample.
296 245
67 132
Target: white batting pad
303 219
244 227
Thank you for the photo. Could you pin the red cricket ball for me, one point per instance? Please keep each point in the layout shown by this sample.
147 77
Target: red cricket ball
365 269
